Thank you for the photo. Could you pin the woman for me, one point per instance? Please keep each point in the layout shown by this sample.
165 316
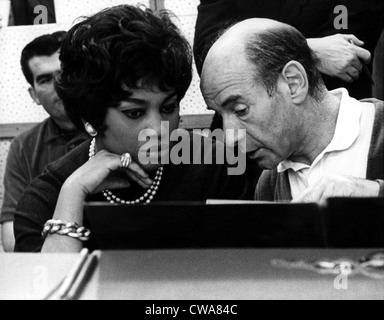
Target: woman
124 70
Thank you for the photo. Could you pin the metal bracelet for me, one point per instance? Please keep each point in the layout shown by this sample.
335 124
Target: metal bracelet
70 229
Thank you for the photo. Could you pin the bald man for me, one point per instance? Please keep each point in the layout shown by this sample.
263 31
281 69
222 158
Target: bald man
312 143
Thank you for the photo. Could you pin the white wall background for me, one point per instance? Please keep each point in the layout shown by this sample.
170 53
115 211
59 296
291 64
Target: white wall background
16 106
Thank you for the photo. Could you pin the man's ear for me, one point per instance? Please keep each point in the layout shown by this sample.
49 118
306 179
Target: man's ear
34 96
296 77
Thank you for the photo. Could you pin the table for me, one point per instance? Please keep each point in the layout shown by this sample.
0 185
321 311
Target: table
31 276
245 274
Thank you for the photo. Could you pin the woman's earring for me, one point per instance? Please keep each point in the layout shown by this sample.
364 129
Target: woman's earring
91 130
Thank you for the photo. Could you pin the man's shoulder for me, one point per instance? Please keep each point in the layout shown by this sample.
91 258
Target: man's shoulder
379 115
31 134
379 107
378 103
378 126
375 168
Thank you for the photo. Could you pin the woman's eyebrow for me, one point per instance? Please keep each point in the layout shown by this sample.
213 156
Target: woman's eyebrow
140 102
144 102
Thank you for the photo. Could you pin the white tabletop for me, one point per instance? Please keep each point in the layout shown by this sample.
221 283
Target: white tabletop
190 275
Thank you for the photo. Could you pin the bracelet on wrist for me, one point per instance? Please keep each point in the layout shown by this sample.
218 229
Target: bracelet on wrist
69 229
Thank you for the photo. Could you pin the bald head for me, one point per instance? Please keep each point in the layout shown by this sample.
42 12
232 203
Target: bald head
262 46
231 46
244 28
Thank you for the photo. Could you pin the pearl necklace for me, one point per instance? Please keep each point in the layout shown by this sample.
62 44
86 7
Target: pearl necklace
146 198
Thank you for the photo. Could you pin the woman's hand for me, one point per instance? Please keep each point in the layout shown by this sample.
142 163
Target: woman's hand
105 171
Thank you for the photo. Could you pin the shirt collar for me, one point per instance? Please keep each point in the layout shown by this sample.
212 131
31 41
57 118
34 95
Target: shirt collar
295 166
346 132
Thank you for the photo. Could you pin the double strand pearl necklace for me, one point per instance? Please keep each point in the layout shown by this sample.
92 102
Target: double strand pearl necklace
146 198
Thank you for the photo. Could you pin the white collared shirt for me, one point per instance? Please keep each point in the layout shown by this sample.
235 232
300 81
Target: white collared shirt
346 155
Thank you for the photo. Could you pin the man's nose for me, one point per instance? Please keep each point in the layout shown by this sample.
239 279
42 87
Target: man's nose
233 134
52 88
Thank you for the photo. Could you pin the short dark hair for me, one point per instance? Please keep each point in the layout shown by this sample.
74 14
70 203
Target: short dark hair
45 45
272 49
120 46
